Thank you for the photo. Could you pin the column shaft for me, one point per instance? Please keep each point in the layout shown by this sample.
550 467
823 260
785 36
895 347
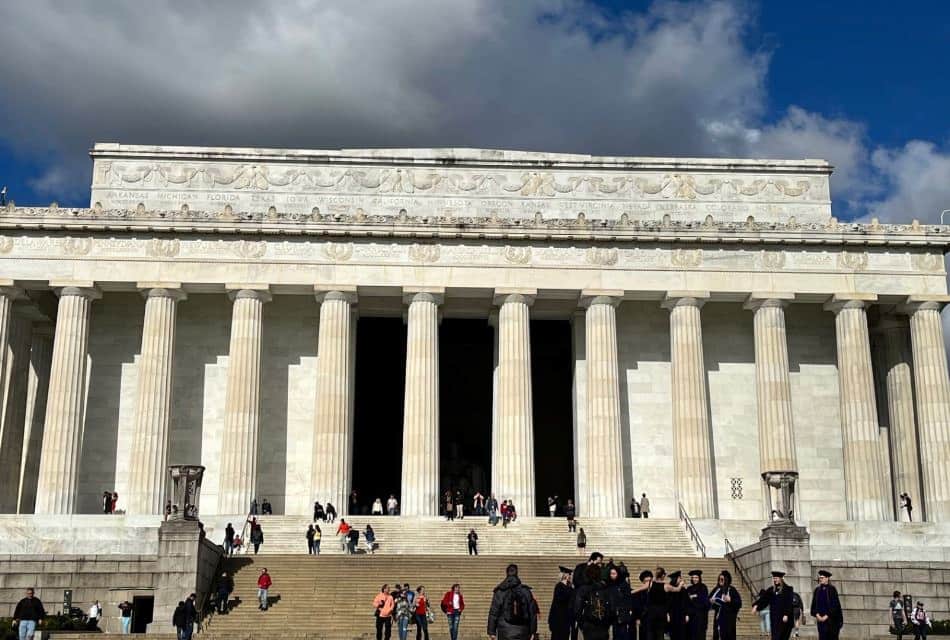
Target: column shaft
41 353
242 404
866 498
692 457
513 428
420 435
11 441
63 426
333 421
933 407
153 403
603 486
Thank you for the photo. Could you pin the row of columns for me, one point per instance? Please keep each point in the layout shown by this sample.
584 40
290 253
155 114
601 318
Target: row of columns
601 491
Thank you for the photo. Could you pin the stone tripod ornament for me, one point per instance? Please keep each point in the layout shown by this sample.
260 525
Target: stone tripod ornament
242 406
513 428
420 435
692 457
65 408
333 414
149 453
603 488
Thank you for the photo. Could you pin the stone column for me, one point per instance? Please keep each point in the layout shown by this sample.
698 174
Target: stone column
149 451
17 378
602 490
65 407
420 427
692 455
41 353
333 415
902 431
933 403
242 401
773 391
865 496
513 428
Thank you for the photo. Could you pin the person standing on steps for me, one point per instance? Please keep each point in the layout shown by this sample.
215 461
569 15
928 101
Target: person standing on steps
383 604
698 596
593 605
264 583
257 536
781 605
330 513
343 531
422 612
580 571
392 505
318 513
644 506
726 602
561 614
28 613
678 608
472 543
898 615
581 540
826 608
453 604
309 536
317 536
570 512
229 540
179 621
512 614
125 616
402 611
225 587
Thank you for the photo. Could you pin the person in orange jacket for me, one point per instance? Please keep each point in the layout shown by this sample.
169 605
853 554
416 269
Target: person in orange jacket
383 605
453 604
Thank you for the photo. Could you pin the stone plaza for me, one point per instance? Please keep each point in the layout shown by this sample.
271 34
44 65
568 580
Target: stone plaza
703 331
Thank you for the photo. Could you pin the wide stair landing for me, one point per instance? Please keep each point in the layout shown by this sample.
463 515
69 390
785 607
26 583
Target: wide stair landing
436 536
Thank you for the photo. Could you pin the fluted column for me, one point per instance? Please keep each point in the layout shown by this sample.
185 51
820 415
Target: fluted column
865 496
420 426
333 415
902 432
513 428
149 453
62 430
17 378
602 490
242 403
692 455
933 404
773 390
41 353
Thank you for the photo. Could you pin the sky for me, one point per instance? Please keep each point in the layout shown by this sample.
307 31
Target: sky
861 84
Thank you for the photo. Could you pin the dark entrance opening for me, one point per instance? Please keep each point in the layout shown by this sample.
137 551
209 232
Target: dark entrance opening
466 355
378 404
142 610
552 387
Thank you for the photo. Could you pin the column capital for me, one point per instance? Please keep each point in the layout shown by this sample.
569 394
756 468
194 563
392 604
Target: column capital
435 295
83 289
842 301
243 293
514 294
675 299
344 292
757 300
590 297
162 290
913 304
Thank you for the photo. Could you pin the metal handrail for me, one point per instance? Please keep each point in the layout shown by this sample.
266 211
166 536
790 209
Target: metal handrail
693 533
743 576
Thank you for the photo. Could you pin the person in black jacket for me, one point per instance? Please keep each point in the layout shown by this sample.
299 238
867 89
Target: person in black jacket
180 621
678 608
513 614
561 614
622 597
28 613
726 602
698 596
580 571
826 608
593 605
781 606
639 604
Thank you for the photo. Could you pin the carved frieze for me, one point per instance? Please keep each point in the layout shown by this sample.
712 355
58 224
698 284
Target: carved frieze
517 255
602 256
338 251
249 249
424 253
773 260
686 258
927 261
854 260
163 247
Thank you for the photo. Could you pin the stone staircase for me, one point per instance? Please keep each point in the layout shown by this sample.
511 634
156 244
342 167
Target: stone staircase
436 536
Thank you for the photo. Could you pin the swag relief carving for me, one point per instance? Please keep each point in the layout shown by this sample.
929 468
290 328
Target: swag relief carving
249 249
424 253
854 260
602 256
517 255
338 251
686 258
927 261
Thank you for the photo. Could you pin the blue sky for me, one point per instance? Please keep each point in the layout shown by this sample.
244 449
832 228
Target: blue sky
863 84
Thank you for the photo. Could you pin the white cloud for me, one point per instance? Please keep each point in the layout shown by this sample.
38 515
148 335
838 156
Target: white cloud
918 180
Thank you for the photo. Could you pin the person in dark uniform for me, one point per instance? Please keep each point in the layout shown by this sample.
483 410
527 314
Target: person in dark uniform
658 605
726 603
698 596
678 608
622 598
580 571
593 605
826 608
561 615
781 607
638 606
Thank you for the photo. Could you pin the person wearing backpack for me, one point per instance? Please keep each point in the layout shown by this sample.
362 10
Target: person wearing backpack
594 606
921 621
513 614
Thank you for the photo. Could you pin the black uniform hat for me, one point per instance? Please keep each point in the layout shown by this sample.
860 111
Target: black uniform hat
824 574
675 576
696 572
646 573
565 569
778 574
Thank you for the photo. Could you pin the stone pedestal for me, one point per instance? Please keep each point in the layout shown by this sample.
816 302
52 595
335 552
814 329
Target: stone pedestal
65 408
185 564
692 455
333 415
242 403
420 435
781 547
153 402
602 488
865 496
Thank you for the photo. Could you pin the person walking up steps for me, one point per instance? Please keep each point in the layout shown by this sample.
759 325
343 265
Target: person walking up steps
383 604
513 614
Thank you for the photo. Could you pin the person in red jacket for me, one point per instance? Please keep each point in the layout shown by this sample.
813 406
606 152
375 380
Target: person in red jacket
453 604
263 584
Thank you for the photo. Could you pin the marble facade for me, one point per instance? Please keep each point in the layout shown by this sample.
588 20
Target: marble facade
724 325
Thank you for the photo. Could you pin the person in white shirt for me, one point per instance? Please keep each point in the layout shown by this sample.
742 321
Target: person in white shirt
921 621
392 505
95 613
377 507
